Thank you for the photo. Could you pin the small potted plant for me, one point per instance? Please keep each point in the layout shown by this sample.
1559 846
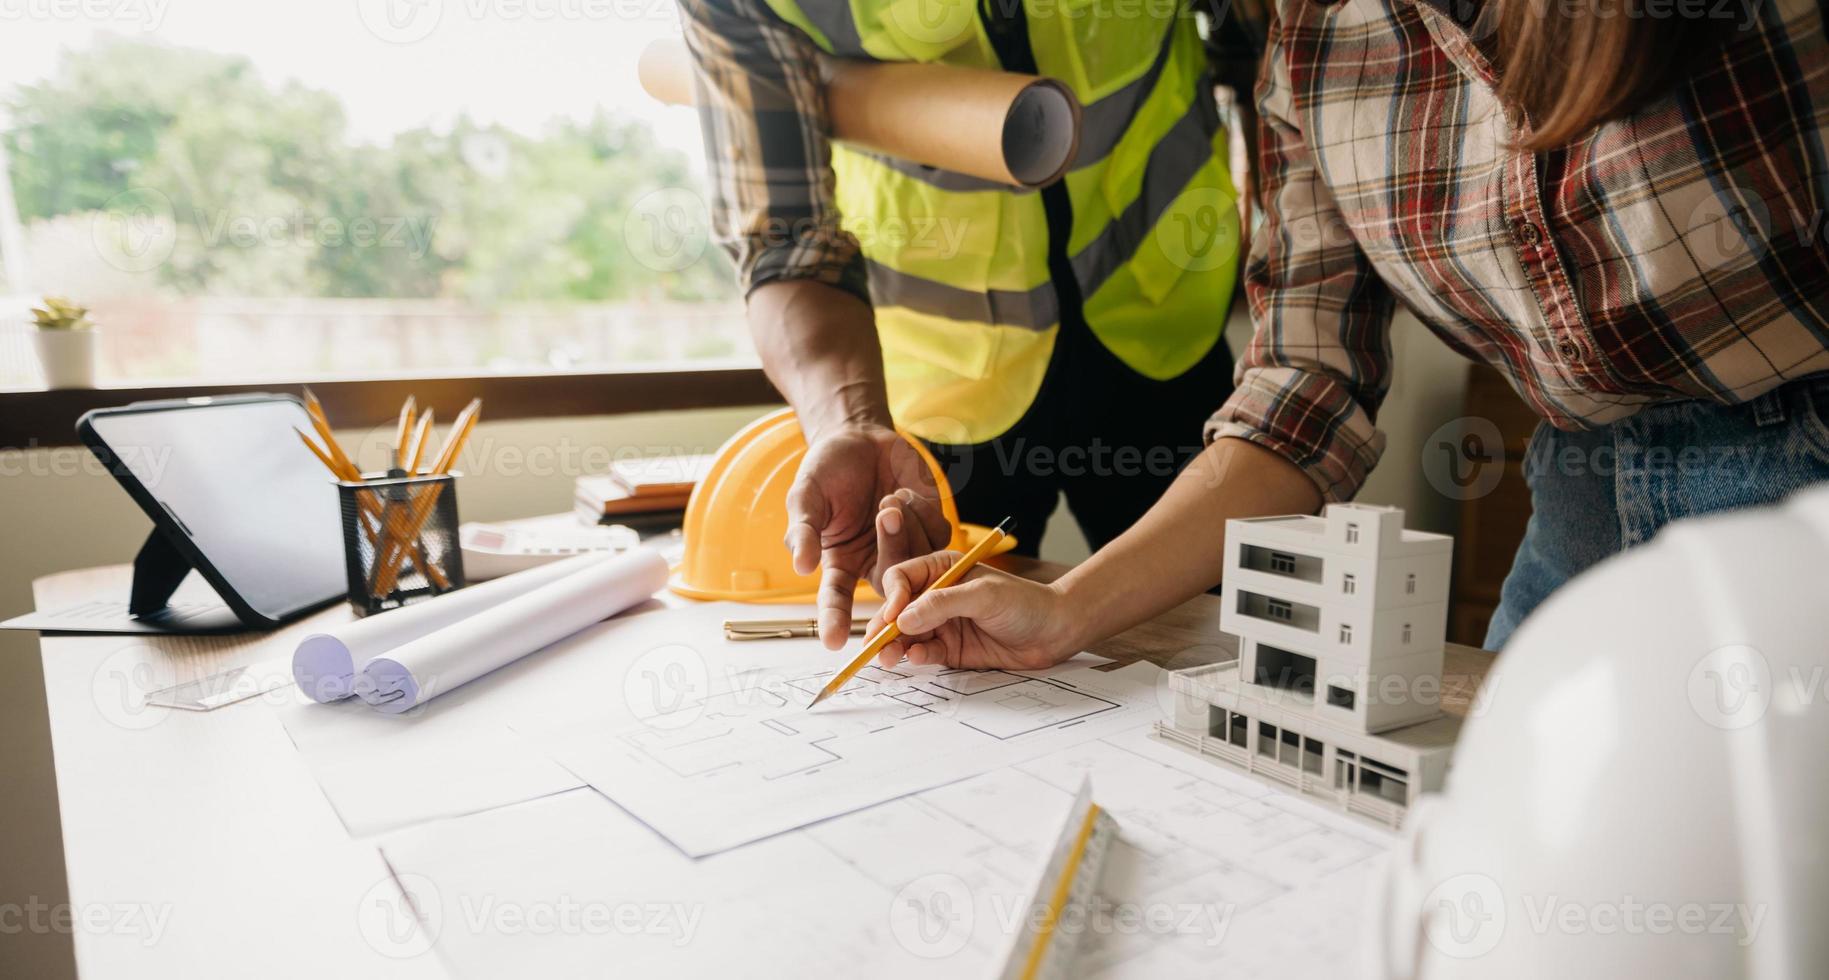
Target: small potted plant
66 343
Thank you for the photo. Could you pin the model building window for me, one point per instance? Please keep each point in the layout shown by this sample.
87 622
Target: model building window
1349 584
1406 633
1282 564
1240 729
1266 739
1352 534
1339 697
1410 583
1346 633
1279 609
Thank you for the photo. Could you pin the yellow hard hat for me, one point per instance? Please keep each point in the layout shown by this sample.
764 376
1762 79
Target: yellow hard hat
737 517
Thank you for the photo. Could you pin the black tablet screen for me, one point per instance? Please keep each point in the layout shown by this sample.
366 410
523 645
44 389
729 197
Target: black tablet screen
261 509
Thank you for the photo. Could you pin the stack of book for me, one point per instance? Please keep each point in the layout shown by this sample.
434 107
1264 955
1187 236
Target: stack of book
651 490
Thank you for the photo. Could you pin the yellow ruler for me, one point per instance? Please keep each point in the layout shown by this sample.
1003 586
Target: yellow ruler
1043 950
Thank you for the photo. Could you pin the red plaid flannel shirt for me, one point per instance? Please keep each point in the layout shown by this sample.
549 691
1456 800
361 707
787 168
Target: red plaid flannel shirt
1675 254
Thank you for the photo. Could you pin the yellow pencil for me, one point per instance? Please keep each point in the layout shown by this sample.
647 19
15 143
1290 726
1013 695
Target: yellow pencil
403 430
409 461
889 632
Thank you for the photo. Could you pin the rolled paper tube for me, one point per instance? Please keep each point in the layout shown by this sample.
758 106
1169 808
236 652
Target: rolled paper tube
1004 127
451 657
324 664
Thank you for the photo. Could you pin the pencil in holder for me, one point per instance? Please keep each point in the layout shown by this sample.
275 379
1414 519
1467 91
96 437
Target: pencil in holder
400 539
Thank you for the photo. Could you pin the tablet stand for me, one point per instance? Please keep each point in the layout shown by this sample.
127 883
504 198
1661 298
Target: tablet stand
157 571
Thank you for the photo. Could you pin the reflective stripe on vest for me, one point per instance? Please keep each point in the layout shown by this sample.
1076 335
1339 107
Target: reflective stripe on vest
958 266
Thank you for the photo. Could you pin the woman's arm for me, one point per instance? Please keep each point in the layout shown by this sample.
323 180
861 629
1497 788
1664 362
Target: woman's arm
1175 552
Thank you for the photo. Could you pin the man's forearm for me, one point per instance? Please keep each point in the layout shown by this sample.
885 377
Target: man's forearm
818 345
1177 550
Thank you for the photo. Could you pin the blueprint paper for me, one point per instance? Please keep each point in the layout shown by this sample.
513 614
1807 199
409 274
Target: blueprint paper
748 762
456 754
1220 876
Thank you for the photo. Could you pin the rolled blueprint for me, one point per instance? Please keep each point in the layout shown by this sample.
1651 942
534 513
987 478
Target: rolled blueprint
1004 127
325 664
457 654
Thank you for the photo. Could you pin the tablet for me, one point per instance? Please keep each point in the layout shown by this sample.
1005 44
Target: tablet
234 495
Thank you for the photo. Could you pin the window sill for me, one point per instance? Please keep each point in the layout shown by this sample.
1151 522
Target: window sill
31 419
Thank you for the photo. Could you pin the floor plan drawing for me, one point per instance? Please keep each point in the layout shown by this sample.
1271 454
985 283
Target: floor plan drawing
1213 874
774 766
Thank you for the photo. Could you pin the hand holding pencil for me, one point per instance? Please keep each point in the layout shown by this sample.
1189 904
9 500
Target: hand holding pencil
991 619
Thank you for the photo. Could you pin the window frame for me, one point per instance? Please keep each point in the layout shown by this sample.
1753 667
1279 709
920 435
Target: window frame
39 418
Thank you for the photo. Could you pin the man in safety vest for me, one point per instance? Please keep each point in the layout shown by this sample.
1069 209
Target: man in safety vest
1039 341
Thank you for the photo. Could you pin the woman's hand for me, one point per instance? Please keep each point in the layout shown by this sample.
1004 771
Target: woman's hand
992 619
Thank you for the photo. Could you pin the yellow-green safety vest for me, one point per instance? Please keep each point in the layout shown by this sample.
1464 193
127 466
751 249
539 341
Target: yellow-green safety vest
958 267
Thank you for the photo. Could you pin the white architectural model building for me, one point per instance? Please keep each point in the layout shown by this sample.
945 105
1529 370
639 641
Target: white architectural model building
1341 621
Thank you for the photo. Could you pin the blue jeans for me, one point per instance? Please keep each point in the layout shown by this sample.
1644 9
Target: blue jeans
1601 491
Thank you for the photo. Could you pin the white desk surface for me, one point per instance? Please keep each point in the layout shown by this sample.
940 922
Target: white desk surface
209 819
212 820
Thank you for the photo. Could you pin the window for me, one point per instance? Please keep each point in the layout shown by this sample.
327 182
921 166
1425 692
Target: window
1349 584
1282 564
1311 756
1352 534
1291 752
1346 772
1346 633
1283 669
1410 584
1216 721
1406 638
232 212
1266 739
1239 730
1300 615
1384 782
1340 697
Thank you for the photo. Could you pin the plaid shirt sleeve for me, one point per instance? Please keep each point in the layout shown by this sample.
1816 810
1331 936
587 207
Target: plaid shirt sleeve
767 144
1317 367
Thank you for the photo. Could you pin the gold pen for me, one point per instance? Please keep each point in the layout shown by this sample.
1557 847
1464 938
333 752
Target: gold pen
781 629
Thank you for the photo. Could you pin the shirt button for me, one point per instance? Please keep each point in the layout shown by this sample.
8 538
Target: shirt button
1528 232
1570 350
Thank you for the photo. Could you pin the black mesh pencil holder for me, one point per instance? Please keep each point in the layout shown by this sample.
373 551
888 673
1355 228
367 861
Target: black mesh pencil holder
400 540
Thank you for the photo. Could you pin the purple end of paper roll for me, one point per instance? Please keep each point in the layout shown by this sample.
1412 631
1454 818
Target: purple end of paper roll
323 669
387 686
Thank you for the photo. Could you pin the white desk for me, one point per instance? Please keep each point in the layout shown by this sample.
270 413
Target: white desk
197 843
206 831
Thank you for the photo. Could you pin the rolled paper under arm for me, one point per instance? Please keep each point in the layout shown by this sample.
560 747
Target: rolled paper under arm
1020 130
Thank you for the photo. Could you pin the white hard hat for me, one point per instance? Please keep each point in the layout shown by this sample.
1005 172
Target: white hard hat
1640 789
